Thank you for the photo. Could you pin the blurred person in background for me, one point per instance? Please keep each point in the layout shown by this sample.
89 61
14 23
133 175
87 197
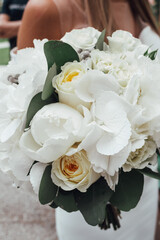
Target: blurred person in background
10 19
47 18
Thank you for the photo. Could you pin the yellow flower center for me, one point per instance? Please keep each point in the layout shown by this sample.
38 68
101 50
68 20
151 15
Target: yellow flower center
69 77
69 166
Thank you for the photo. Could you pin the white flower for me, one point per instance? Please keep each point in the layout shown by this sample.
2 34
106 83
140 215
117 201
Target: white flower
122 41
13 107
115 65
36 174
93 83
143 93
141 157
29 66
73 172
107 143
54 129
22 79
106 165
111 117
85 38
66 81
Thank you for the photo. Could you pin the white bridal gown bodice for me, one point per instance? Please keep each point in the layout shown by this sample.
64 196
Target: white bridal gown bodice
139 223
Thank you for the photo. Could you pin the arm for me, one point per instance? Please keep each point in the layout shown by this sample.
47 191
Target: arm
40 20
8 29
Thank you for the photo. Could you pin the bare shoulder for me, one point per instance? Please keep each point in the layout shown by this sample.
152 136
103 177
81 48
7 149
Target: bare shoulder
41 7
40 20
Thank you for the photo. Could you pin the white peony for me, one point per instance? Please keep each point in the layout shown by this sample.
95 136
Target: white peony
122 41
54 129
73 172
85 38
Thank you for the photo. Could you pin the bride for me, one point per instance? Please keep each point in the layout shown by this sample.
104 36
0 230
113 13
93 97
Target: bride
51 19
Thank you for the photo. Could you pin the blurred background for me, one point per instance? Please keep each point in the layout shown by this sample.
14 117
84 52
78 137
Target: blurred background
5 47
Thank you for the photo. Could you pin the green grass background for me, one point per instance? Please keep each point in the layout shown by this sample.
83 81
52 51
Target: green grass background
4 54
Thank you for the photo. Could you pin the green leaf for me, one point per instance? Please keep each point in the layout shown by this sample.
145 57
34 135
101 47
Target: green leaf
66 200
48 88
153 55
99 44
53 205
147 52
47 190
59 53
92 204
35 105
148 172
128 191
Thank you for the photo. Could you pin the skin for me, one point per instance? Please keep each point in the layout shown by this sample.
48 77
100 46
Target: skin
8 29
40 20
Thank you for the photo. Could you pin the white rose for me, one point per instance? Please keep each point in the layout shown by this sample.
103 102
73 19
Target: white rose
122 41
54 129
141 157
73 172
66 81
85 38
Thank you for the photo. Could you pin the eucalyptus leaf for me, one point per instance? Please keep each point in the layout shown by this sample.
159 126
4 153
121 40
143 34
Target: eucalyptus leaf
59 53
99 44
147 52
148 172
36 104
66 200
153 55
47 190
128 191
92 204
53 205
48 89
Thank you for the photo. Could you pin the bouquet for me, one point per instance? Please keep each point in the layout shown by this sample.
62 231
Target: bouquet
80 122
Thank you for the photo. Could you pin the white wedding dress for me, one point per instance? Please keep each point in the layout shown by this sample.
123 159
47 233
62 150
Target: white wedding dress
139 223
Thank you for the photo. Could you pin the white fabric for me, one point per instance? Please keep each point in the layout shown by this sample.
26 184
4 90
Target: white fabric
139 223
